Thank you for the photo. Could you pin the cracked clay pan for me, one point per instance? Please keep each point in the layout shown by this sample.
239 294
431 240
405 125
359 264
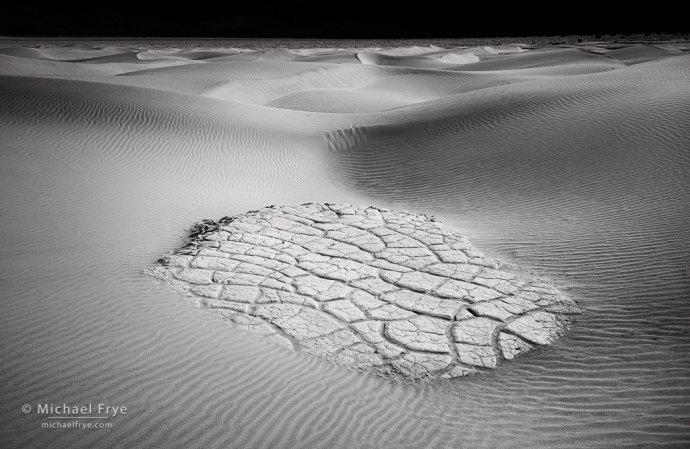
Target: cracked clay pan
385 292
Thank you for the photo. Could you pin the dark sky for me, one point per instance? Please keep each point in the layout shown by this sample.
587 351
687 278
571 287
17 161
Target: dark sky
329 19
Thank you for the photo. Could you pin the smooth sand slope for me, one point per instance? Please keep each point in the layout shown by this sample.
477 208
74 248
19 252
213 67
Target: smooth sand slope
569 164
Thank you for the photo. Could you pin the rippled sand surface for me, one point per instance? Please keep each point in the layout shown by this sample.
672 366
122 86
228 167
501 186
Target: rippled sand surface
569 164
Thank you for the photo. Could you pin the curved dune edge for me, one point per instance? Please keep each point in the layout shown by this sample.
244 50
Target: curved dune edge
388 293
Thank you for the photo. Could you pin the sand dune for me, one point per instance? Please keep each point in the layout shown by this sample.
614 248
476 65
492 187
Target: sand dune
639 53
454 58
393 92
410 51
313 76
196 55
64 54
541 58
567 165
104 65
336 58
232 79
506 49
424 62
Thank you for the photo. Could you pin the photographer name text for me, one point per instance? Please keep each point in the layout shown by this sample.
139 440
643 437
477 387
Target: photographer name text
101 410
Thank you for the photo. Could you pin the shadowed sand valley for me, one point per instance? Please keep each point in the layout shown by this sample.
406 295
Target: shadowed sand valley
568 163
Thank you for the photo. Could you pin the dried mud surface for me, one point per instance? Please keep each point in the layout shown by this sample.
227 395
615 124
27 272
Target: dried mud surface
390 293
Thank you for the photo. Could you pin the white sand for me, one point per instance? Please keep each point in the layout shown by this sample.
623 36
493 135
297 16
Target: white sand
562 162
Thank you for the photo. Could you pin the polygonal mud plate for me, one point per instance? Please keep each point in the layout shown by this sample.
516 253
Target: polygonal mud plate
390 293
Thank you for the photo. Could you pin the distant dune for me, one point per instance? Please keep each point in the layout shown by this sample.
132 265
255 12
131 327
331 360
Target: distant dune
569 163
